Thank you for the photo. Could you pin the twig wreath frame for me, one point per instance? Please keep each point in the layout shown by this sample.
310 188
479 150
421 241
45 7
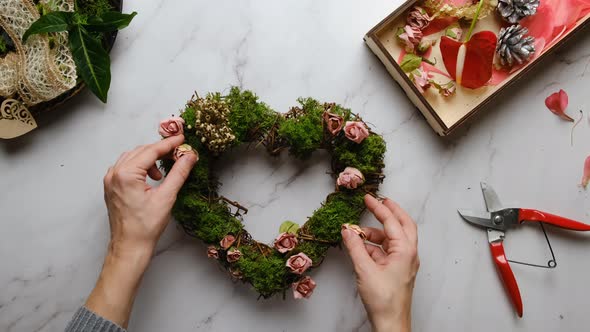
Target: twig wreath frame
217 122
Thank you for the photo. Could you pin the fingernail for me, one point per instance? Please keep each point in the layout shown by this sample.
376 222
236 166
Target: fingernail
190 157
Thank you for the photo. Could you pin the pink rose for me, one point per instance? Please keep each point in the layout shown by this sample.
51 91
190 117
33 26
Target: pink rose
303 288
227 241
233 255
285 242
357 229
212 252
333 122
454 32
171 127
421 79
299 263
235 273
449 90
183 149
350 178
356 131
410 37
418 18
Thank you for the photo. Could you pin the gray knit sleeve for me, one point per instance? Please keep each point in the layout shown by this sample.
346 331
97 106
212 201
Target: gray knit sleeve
85 320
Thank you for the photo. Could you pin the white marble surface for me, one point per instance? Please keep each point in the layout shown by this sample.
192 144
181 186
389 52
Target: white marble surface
54 224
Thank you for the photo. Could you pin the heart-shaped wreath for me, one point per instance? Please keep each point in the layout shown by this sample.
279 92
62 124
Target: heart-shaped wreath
217 122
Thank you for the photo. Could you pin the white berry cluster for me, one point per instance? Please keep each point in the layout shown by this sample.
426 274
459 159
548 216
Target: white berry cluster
212 122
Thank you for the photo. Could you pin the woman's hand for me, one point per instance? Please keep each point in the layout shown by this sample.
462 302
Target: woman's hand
138 214
386 269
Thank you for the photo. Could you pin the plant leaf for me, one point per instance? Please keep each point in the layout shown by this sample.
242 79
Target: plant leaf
410 62
51 22
289 227
110 21
92 60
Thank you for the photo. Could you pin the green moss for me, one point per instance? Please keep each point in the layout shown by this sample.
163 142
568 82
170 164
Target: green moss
209 222
367 156
189 117
345 113
268 275
93 7
304 133
340 208
249 118
314 250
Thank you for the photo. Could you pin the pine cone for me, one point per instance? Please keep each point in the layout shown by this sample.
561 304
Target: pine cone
513 47
513 11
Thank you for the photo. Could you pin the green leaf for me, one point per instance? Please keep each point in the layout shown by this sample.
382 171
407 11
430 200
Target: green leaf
51 22
289 227
92 60
110 21
410 62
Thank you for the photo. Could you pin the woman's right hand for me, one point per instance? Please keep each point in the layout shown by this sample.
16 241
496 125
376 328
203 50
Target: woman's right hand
387 270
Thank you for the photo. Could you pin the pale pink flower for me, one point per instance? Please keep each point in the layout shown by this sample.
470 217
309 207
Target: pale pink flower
182 150
356 131
448 91
454 32
418 18
171 127
357 229
421 79
285 242
410 37
235 273
233 255
212 252
303 288
350 178
424 45
299 263
227 241
557 103
333 122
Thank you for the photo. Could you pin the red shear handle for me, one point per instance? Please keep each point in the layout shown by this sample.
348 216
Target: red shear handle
507 275
535 215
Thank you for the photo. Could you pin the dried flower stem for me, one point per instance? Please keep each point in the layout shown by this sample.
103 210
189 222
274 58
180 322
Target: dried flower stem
574 127
474 21
313 238
260 248
235 204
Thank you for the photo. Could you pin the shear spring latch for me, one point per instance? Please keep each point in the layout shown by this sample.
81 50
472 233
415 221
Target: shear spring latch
551 264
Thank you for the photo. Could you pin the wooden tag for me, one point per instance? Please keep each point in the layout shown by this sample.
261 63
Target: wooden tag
15 119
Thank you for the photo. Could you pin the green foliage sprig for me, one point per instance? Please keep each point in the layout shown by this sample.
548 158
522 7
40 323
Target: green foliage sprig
92 60
204 214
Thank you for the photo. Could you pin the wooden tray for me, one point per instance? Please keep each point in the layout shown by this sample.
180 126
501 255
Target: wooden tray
446 115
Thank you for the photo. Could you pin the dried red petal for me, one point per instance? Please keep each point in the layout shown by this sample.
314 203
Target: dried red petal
438 25
479 59
586 176
557 103
449 48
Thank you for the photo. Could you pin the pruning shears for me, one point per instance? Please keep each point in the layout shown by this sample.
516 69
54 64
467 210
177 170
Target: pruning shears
498 220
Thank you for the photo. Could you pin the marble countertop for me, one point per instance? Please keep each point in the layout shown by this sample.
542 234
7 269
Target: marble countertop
54 223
